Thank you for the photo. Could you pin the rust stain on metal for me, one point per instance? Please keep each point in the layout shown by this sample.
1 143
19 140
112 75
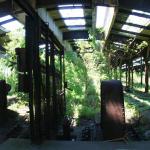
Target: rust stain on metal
112 110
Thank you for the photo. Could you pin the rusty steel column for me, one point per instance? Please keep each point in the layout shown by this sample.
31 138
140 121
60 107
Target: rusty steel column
112 110
54 96
48 90
29 54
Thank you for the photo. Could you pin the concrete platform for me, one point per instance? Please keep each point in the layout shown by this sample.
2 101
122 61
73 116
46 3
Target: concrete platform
22 144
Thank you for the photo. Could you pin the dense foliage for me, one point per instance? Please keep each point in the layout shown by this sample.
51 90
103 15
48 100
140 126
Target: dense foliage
84 68
82 97
8 64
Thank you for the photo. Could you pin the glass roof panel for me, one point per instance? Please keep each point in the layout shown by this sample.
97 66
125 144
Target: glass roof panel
101 14
13 25
141 12
61 6
104 18
131 28
138 20
143 21
74 22
5 18
66 13
76 28
72 12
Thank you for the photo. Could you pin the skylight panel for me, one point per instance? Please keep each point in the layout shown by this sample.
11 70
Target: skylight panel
138 20
76 28
5 18
66 13
131 28
104 18
101 14
72 11
74 22
13 25
141 12
61 6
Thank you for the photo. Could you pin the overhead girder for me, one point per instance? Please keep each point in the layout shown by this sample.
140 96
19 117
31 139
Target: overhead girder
75 26
7 21
74 18
142 5
129 12
68 7
46 3
132 33
77 34
5 8
132 24
128 4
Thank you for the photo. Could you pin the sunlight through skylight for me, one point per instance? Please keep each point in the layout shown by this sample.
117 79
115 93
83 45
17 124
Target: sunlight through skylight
66 13
136 20
75 22
13 25
76 28
131 28
141 12
62 6
104 17
72 12
5 18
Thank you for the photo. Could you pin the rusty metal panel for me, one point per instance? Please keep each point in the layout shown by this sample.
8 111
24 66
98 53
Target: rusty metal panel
112 110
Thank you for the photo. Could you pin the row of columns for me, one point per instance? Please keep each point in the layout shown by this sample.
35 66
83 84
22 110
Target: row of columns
129 71
44 106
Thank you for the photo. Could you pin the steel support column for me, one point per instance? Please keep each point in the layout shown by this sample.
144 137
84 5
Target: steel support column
29 55
34 76
47 115
37 80
54 97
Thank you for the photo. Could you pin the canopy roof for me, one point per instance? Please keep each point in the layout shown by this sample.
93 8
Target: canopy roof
122 19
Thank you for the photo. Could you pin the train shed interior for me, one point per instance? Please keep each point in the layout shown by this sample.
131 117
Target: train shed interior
74 71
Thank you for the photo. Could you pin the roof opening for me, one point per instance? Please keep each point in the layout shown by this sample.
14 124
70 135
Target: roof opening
143 21
70 11
104 17
10 25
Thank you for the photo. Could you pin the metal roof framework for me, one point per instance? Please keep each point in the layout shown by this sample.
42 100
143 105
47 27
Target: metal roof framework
124 7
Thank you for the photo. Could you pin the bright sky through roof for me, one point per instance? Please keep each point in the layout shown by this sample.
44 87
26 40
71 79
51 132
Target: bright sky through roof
73 12
61 6
76 28
75 22
136 20
13 25
100 16
65 13
5 18
104 17
10 26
